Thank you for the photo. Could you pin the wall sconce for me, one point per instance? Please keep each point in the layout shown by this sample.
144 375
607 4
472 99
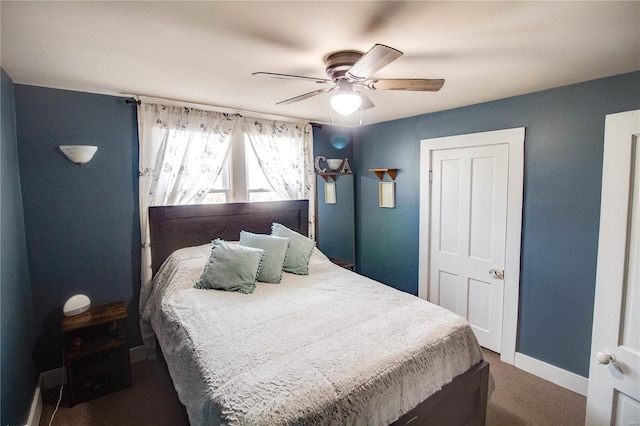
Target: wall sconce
78 154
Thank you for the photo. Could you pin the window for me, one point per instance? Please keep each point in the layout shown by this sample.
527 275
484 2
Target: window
241 178
220 191
258 187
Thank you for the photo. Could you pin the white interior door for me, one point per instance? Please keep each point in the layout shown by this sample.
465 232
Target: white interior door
470 231
613 397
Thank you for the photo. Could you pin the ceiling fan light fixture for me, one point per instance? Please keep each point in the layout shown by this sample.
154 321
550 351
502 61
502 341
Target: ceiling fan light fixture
345 101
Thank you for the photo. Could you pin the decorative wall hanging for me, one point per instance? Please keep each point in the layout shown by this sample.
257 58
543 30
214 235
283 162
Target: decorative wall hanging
336 166
387 194
330 193
386 190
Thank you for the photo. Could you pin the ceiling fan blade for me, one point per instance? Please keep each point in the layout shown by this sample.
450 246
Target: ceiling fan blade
410 84
376 58
303 97
293 77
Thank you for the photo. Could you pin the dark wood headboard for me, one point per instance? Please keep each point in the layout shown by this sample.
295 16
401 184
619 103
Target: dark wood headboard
175 227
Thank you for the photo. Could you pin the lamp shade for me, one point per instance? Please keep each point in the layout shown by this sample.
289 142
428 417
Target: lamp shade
78 154
334 163
346 103
76 305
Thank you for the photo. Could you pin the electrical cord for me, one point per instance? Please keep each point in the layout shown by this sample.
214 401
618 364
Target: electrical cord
59 397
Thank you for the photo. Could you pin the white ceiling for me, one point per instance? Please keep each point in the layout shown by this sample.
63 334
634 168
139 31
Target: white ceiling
205 52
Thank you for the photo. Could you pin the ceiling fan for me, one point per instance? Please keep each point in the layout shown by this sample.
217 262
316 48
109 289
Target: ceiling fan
350 72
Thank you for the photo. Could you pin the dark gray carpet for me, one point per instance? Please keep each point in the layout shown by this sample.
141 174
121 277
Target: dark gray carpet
519 399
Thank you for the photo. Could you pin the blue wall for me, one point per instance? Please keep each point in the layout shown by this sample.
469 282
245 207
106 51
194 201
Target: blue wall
82 223
563 168
335 222
337 239
17 320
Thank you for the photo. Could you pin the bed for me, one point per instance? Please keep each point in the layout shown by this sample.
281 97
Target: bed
330 347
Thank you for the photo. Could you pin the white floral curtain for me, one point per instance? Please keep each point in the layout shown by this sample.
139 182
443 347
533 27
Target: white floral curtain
285 155
182 151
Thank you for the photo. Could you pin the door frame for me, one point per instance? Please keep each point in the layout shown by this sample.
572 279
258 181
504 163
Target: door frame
514 138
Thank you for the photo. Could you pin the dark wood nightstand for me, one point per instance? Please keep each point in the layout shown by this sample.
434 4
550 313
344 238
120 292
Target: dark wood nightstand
343 263
97 355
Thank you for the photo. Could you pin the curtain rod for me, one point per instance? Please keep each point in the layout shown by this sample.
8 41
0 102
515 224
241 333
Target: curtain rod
134 99
138 102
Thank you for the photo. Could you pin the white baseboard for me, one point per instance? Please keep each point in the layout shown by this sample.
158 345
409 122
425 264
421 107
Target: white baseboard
35 412
553 374
137 354
52 378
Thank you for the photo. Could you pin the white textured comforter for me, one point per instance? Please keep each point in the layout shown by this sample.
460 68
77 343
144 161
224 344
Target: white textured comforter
330 348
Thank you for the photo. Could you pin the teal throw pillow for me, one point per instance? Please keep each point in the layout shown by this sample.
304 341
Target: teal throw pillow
275 250
231 267
297 259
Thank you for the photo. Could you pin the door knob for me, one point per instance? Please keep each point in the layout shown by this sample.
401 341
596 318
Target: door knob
605 357
497 273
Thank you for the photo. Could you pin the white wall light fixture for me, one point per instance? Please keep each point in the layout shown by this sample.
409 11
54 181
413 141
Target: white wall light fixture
78 154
